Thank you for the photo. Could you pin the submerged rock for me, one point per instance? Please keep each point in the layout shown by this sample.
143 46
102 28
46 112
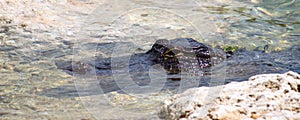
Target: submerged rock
266 96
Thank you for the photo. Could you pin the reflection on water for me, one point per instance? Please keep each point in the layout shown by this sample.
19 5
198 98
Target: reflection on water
273 23
32 85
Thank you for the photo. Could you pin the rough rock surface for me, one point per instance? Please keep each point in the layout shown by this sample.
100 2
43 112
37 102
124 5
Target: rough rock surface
266 96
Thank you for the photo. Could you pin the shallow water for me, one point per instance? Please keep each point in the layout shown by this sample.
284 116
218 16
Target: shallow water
32 86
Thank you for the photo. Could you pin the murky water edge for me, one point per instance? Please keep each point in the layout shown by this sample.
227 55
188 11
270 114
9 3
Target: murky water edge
32 86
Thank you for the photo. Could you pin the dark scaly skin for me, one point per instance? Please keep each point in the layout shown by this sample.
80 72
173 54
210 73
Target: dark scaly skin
184 53
176 55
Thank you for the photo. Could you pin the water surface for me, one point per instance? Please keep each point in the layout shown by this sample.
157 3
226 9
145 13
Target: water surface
32 86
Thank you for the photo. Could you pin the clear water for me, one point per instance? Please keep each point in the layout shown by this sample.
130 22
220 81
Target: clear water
32 87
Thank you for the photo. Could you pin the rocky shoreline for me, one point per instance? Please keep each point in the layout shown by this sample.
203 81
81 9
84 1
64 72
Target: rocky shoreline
265 96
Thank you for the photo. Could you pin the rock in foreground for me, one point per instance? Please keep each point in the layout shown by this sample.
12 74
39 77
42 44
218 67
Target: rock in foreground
266 96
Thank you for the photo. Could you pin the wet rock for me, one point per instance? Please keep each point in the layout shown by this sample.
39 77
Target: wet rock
7 48
4 29
265 96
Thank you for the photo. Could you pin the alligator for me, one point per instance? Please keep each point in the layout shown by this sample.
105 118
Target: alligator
184 56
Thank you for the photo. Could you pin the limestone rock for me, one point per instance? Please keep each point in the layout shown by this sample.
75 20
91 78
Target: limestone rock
266 96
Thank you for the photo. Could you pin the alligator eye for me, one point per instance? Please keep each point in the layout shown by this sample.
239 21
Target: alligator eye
173 52
168 53
176 51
